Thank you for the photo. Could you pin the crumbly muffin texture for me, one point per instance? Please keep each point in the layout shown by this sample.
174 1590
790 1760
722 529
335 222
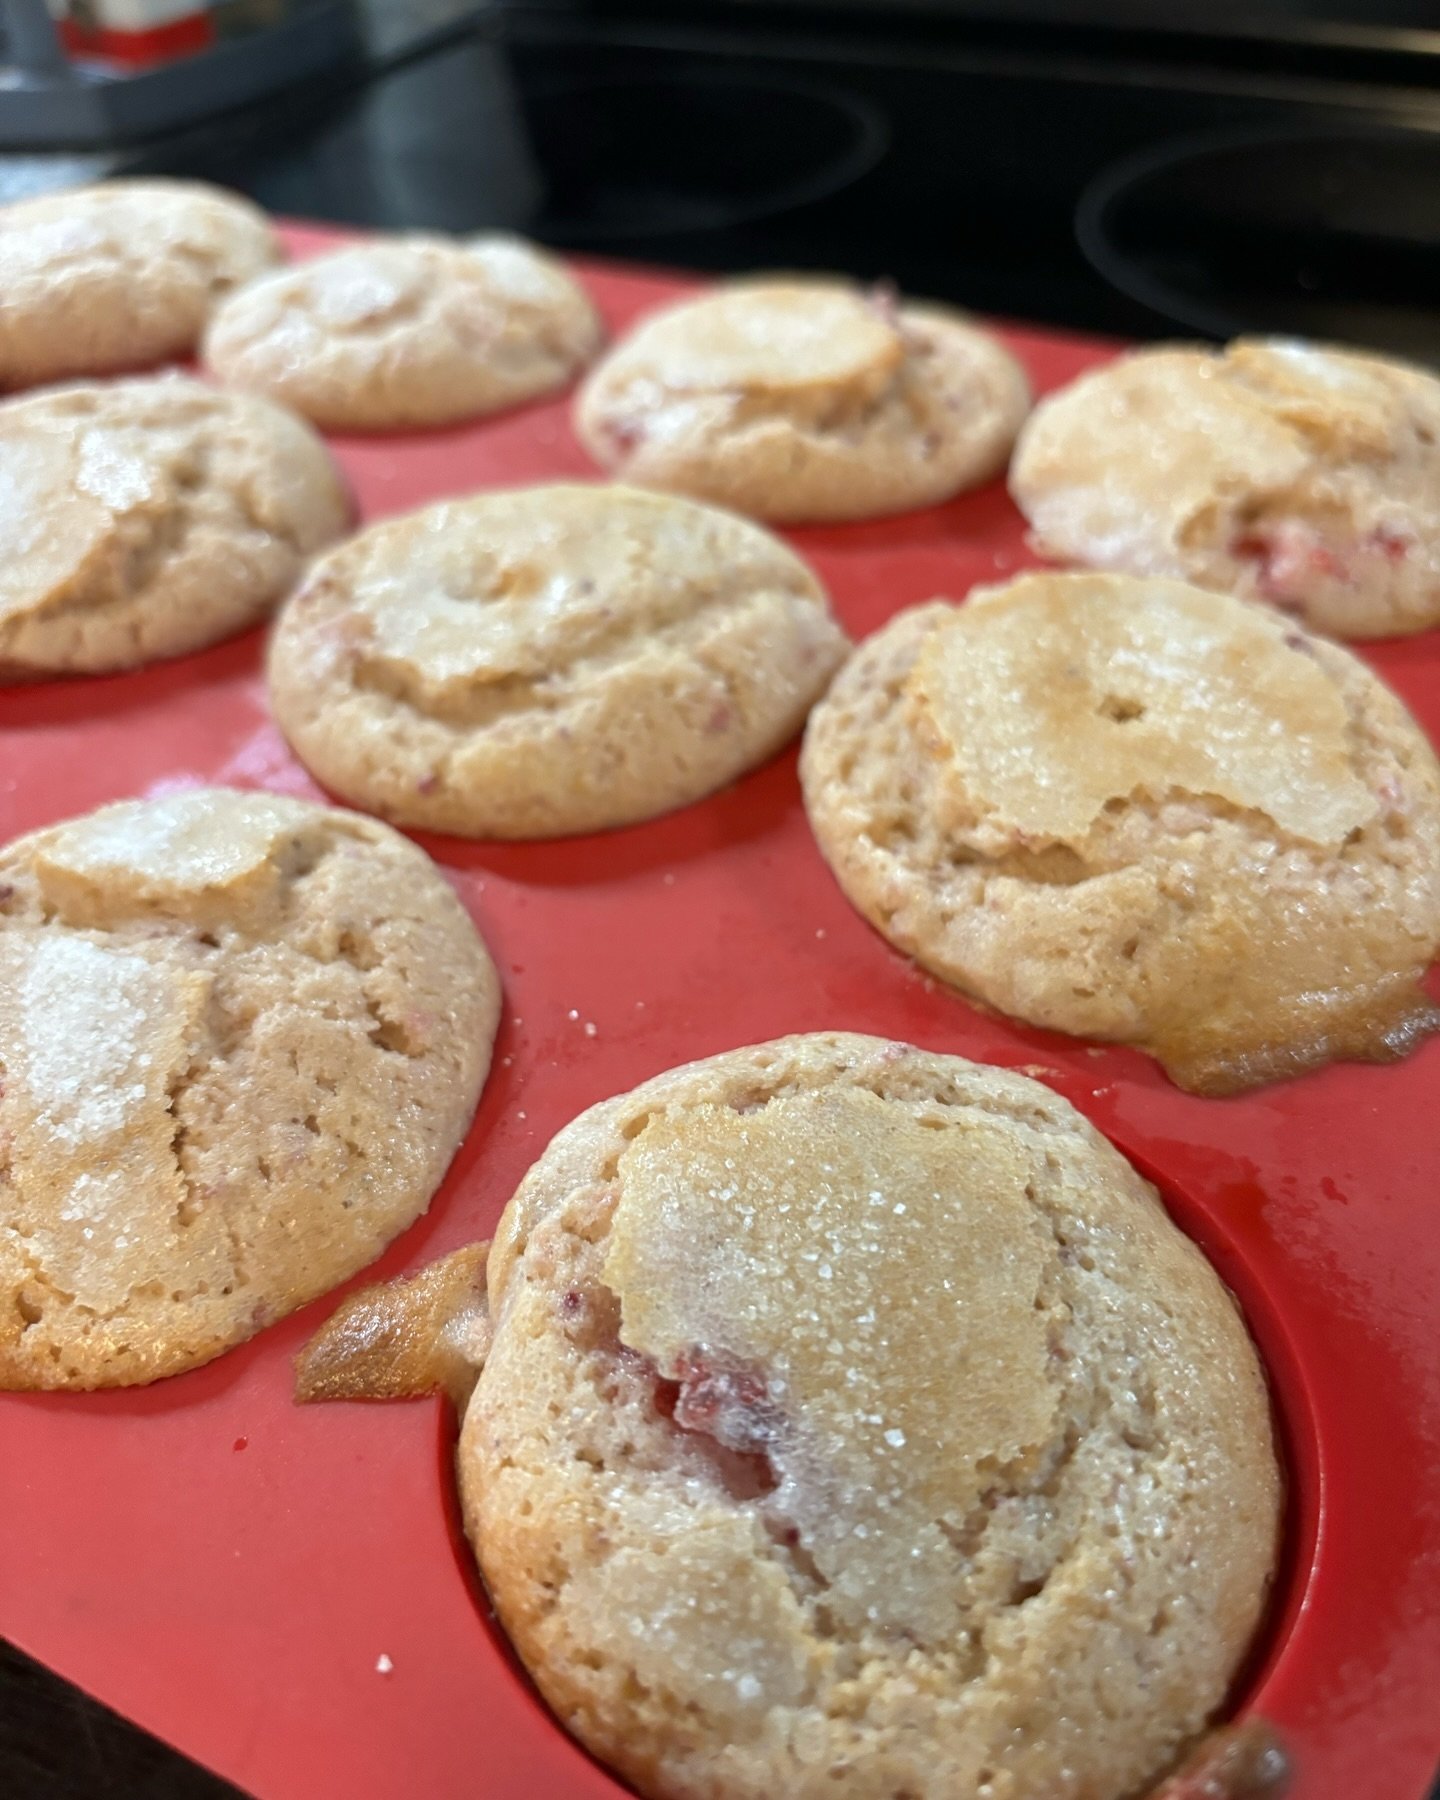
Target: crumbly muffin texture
804 400
549 660
857 1421
240 1038
120 275
1130 809
1287 472
407 331
148 518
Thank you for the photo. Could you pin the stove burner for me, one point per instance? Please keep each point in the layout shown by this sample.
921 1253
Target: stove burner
631 159
673 165
1315 234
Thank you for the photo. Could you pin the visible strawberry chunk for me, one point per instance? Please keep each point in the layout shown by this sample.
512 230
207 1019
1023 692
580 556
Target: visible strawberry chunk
1290 557
1393 545
622 435
728 1409
725 1400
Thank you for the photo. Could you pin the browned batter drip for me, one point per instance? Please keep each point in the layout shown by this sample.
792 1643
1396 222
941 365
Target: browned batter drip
400 1340
1246 1761
1383 1028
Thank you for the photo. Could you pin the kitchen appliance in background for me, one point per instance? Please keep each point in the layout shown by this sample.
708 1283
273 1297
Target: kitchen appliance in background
106 71
139 32
1128 166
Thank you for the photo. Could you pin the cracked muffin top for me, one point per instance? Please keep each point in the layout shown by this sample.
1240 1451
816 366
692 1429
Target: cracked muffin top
855 1419
145 519
407 331
120 275
549 660
1281 471
804 400
1136 810
240 1039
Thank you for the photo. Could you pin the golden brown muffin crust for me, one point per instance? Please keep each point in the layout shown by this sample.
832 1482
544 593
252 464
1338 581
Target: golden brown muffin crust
856 1420
407 331
1134 810
1293 473
120 275
549 660
240 1038
804 400
145 519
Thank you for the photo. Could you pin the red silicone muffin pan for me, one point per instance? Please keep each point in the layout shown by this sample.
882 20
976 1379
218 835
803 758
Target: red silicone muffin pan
280 1591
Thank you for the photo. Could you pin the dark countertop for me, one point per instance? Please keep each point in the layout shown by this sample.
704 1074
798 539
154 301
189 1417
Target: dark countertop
58 1744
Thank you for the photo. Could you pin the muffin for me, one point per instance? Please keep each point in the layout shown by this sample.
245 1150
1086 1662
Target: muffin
242 1037
1286 472
149 518
1135 810
856 1422
549 660
407 331
120 275
804 400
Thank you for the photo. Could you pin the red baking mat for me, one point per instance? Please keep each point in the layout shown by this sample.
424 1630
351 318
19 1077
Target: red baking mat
228 1569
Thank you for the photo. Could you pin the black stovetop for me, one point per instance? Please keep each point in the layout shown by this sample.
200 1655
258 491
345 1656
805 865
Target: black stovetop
1064 161
1219 182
